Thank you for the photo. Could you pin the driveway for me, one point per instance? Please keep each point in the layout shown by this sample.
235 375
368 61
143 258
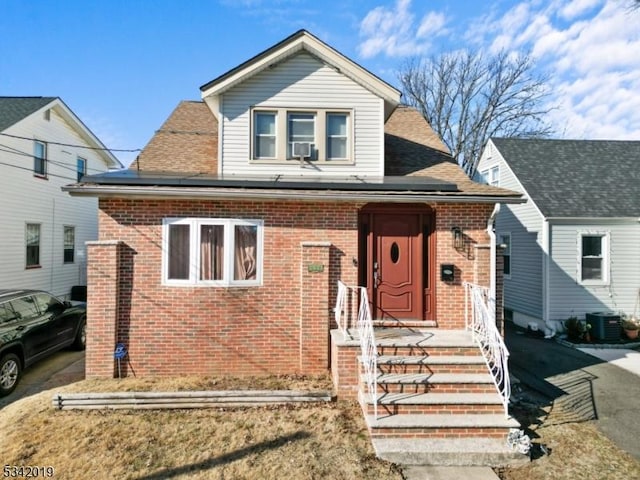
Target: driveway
589 388
61 368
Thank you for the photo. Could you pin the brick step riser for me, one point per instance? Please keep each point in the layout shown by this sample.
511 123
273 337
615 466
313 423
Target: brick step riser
467 409
447 368
435 387
426 351
467 432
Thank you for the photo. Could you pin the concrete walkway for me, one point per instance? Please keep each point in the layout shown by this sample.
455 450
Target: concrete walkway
620 357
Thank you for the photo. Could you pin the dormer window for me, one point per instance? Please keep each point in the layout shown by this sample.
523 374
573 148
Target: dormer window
328 131
265 135
337 136
301 127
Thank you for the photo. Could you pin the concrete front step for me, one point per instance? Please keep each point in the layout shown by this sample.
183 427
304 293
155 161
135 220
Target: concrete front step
430 403
440 382
424 342
492 452
440 426
431 364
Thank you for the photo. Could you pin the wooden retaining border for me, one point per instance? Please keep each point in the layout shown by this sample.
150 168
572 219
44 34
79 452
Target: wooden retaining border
184 399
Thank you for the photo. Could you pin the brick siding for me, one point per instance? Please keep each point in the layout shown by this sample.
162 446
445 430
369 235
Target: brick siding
279 327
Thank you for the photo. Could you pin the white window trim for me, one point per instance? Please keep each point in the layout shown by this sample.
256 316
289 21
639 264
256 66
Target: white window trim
606 243
84 164
194 252
64 227
319 151
487 173
45 161
508 234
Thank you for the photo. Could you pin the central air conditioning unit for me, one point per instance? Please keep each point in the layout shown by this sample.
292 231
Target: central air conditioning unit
302 150
604 325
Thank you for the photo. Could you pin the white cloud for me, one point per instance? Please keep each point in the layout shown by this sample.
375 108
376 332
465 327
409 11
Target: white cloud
589 49
392 31
577 7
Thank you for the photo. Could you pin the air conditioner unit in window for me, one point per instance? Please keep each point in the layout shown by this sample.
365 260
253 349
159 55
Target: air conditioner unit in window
301 149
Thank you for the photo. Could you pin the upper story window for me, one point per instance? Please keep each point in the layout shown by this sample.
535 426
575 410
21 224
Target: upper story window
215 252
491 176
39 158
32 242
264 143
301 127
81 167
594 258
275 131
337 136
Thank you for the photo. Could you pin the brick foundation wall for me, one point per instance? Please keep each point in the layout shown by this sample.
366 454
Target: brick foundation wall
279 327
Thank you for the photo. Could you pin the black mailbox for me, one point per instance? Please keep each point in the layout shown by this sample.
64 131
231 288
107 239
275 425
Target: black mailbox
446 272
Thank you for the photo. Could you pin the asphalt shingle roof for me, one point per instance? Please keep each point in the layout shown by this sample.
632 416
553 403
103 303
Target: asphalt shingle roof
14 109
577 178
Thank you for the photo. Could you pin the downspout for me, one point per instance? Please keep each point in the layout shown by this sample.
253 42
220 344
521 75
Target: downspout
550 329
492 258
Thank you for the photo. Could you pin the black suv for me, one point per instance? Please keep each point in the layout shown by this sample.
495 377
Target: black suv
33 325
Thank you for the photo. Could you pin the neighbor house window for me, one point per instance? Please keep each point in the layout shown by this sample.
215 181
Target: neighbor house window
81 167
505 241
265 135
69 244
594 257
33 245
221 252
491 176
301 128
40 158
329 133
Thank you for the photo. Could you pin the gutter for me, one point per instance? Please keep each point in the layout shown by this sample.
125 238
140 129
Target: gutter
324 195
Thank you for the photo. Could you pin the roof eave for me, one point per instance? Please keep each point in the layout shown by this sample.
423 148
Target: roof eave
270 194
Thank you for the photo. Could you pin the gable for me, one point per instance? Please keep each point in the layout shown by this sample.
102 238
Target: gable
14 109
577 178
300 41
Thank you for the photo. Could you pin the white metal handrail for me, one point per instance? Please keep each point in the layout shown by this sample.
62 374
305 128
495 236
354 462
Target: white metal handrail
364 326
480 318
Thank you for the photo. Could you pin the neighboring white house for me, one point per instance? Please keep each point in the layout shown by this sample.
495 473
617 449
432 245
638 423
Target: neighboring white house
43 146
574 247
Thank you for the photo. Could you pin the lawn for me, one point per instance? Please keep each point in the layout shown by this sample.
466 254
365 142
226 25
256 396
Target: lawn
318 441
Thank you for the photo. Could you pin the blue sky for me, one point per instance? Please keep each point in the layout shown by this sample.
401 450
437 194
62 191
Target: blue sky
122 66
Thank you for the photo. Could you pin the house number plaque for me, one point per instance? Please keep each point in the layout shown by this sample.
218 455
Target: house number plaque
315 268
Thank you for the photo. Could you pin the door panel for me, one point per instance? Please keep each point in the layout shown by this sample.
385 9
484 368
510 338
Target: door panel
397 266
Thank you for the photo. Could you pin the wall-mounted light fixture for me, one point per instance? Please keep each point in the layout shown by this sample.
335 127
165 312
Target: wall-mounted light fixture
457 238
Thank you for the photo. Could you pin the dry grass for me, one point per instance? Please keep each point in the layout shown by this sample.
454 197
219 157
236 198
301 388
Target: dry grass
301 442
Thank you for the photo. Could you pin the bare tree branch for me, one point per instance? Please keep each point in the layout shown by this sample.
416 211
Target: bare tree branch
468 98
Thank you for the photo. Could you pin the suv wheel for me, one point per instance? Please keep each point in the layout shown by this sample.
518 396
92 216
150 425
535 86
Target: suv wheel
9 373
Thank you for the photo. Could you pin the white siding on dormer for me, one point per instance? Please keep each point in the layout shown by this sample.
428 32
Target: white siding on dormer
304 82
28 199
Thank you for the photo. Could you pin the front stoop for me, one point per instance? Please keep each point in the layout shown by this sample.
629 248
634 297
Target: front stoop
460 452
437 403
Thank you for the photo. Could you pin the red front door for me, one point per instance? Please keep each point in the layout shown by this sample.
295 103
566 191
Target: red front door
397 266
396 243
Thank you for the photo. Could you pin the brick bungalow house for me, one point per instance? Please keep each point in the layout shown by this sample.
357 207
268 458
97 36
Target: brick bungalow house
221 248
